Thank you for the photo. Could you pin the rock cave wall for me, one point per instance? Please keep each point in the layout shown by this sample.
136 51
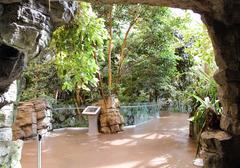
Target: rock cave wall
25 30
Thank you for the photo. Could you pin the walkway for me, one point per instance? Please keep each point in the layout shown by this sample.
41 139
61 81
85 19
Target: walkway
161 143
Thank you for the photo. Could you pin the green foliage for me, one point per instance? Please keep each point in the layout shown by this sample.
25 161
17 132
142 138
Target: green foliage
184 64
202 48
75 46
150 66
63 118
35 81
164 56
203 84
200 115
204 87
201 93
4 165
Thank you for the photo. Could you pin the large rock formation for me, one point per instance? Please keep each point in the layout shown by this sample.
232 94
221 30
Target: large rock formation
110 119
26 28
10 151
220 149
225 34
32 117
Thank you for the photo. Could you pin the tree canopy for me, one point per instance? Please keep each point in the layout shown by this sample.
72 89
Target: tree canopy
154 54
78 46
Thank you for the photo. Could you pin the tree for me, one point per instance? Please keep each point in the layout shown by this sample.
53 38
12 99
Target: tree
150 65
35 80
117 18
78 47
204 65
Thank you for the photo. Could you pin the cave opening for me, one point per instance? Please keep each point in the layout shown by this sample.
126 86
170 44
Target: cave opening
11 63
8 53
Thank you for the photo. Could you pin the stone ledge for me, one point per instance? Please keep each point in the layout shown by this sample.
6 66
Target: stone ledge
215 141
220 149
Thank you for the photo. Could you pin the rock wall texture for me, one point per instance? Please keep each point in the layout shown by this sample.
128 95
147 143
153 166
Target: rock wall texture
32 117
10 154
10 151
225 35
220 149
110 120
25 30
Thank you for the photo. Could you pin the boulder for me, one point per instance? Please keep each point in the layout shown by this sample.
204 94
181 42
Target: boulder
33 117
110 119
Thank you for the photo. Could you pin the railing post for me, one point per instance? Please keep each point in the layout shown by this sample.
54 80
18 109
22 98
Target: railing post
39 145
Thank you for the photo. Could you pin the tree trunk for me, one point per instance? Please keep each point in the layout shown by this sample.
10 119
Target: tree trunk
155 95
100 85
78 101
124 44
110 50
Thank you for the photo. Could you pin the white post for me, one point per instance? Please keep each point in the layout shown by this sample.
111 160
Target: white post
39 143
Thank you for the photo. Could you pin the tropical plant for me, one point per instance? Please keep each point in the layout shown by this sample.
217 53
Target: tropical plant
202 91
200 115
79 48
76 46
34 81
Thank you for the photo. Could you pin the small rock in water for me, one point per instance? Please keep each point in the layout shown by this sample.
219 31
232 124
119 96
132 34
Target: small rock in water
198 162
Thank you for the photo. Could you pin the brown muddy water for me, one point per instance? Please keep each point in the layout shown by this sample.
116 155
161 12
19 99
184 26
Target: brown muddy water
160 143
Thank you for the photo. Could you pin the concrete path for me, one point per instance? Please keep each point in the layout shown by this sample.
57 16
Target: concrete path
160 143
